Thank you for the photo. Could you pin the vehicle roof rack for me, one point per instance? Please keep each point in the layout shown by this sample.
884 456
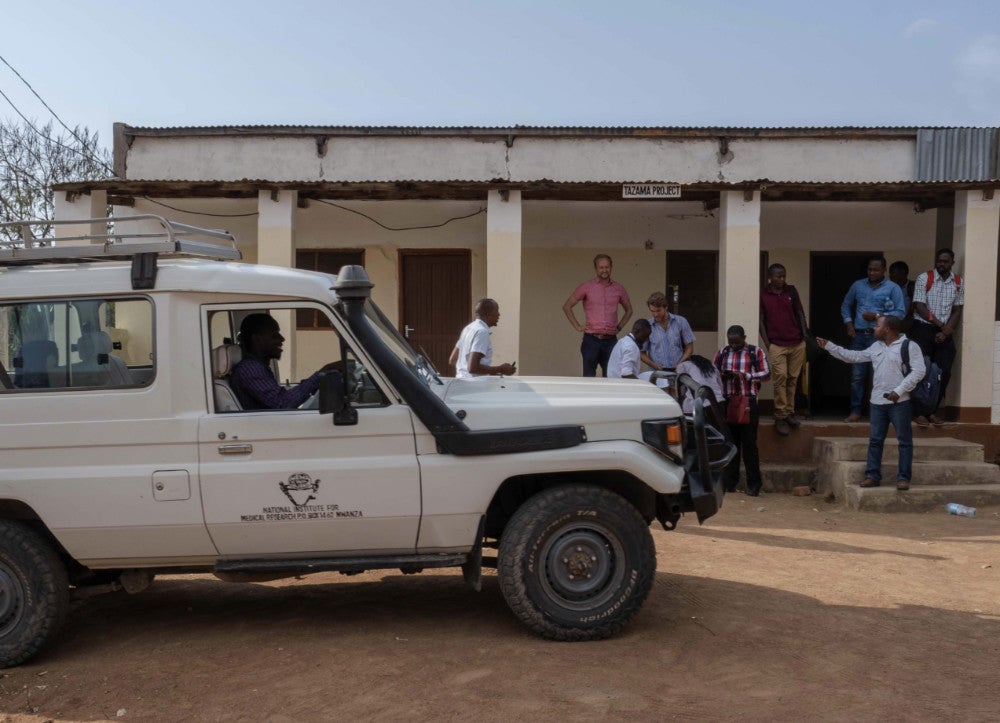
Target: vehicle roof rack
142 246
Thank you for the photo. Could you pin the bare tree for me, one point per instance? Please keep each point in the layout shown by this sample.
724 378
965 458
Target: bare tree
32 158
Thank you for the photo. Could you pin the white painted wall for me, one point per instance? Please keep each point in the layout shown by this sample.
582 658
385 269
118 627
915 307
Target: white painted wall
206 158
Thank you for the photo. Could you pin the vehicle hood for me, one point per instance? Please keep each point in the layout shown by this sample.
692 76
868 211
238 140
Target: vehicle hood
608 408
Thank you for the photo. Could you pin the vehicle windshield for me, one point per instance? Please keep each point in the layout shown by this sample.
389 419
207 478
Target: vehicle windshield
416 363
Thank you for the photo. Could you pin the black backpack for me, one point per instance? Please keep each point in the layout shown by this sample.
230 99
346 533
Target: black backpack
928 390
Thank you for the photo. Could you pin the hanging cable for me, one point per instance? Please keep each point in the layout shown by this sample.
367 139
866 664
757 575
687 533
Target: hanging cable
201 213
77 151
401 228
42 100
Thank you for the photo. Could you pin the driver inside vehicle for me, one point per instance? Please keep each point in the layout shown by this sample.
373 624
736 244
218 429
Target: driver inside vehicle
252 380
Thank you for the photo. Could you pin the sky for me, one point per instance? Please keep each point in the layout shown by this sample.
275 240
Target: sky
503 62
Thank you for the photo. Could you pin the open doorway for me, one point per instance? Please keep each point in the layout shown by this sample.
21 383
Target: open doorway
831 275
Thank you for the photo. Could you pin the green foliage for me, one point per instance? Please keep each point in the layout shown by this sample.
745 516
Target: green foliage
31 161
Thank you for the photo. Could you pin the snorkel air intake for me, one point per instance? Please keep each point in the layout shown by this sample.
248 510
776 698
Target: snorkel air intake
353 289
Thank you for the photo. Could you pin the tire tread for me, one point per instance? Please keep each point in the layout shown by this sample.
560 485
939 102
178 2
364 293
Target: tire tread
513 548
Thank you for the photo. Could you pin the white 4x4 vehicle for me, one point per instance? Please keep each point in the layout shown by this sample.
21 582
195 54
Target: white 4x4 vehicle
125 454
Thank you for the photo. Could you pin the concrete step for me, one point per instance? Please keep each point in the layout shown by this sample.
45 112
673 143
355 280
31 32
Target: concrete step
939 474
783 477
827 449
920 499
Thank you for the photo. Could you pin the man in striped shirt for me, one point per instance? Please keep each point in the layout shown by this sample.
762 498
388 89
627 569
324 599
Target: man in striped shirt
252 381
938 299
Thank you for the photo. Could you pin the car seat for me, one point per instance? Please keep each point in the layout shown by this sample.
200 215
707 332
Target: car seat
224 360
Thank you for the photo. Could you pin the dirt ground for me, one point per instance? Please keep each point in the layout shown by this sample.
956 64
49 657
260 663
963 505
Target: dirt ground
779 607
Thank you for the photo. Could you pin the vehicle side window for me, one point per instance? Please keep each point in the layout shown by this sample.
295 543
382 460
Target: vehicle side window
76 344
302 353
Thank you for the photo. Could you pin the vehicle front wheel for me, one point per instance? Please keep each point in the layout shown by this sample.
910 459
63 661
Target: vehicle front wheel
34 592
576 562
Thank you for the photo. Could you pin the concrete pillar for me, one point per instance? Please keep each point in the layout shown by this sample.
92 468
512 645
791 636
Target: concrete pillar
276 247
69 206
739 263
977 227
503 270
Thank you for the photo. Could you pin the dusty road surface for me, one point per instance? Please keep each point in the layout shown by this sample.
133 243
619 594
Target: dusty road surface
778 608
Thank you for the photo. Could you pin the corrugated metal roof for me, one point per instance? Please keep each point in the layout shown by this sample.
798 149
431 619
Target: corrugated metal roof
266 183
598 131
958 154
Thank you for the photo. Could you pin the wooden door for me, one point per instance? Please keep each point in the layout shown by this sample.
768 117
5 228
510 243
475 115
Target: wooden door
435 301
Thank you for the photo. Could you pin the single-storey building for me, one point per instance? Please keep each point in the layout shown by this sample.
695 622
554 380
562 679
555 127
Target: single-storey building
441 216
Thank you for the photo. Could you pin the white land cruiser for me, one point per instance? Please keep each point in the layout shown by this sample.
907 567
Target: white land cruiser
125 454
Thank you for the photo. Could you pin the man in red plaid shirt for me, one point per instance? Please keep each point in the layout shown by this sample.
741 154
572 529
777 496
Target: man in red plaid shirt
743 368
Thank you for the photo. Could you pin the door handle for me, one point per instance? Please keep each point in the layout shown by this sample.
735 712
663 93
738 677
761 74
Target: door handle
407 329
235 448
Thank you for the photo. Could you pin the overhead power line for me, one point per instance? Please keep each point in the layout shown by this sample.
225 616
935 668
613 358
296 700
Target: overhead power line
77 151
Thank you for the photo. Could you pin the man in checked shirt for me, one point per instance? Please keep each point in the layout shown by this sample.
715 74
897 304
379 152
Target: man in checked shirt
938 299
743 368
252 380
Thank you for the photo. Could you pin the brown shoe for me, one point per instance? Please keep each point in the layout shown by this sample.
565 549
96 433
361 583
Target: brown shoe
902 485
869 482
852 418
935 420
921 421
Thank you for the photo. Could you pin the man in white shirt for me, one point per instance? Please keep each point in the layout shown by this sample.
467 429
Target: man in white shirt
890 400
473 353
625 360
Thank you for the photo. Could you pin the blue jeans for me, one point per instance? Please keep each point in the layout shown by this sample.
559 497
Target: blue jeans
860 372
899 415
596 352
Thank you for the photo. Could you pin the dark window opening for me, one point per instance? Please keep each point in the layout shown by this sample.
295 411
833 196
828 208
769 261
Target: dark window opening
692 287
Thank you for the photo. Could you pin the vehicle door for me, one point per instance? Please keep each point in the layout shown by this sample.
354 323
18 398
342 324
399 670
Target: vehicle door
290 482
94 436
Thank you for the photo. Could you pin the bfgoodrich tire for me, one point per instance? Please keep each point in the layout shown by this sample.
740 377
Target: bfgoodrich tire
34 592
576 563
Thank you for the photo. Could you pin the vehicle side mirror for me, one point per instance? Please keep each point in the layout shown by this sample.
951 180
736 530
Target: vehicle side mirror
333 399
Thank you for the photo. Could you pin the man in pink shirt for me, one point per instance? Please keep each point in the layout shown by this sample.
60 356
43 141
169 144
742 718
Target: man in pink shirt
601 298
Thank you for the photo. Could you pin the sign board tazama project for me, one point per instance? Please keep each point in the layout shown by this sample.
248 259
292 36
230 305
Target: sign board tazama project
651 190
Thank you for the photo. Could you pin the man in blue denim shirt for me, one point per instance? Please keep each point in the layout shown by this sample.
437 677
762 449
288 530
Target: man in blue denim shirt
869 297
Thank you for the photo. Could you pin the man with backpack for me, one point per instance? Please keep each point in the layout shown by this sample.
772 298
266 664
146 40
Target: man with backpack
892 383
938 298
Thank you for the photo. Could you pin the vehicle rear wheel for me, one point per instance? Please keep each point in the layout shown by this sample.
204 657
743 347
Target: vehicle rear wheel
34 592
576 562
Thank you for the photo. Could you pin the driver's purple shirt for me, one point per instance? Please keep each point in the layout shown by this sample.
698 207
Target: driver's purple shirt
256 388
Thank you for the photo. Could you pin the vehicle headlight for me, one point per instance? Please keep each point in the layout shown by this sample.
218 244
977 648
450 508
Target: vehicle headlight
667 435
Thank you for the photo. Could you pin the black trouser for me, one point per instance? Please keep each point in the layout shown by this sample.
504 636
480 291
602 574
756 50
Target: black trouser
941 353
745 439
596 352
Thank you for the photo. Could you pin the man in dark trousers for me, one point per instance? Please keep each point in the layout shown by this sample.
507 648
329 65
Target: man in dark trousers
743 368
601 298
938 299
